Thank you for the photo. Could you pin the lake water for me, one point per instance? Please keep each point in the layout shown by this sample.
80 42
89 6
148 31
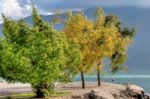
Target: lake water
141 80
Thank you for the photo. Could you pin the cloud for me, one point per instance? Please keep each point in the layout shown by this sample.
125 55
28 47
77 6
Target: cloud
21 8
74 4
13 9
0 12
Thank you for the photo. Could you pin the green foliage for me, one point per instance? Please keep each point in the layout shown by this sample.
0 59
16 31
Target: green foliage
19 96
36 54
74 57
128 32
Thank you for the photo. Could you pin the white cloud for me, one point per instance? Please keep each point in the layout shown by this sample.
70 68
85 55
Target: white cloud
13 9
0 20
21 8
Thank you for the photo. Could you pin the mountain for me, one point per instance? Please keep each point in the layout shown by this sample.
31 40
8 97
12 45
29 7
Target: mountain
139 57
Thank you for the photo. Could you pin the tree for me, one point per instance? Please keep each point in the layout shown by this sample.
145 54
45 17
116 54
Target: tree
113 41
103 38
79 30
99 28
36 54
105 42
121 43
119 56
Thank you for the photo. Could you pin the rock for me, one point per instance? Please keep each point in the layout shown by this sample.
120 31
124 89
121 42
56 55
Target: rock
135 89
77 97
116 96
101 97
93 95
146 97
131 92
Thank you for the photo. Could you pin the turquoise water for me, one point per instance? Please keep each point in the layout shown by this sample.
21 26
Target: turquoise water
141 80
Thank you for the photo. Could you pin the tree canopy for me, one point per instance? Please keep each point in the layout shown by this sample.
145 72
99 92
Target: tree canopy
36 54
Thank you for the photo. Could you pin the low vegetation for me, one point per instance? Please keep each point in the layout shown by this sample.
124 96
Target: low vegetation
19 96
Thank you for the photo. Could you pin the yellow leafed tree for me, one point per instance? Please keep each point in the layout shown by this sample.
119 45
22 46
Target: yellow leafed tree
98 39
79 30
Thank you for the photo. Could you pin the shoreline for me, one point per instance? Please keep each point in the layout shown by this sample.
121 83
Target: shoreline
106 89
142 81
13 88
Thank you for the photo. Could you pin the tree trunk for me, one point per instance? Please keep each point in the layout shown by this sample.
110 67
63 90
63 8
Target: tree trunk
82 79
41 88
39 91
98 79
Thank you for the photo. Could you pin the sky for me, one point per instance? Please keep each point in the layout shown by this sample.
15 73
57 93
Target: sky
22 8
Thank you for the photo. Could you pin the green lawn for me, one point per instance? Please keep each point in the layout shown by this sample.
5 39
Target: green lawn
30 95
19 96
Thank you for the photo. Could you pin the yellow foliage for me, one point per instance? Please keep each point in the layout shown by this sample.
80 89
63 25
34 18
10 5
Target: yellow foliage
97 40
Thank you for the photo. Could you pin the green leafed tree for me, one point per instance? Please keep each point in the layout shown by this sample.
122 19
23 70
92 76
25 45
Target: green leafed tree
38 54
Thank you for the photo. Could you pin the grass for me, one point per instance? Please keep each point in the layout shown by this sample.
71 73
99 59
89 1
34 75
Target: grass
59 94
19 96
31 95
